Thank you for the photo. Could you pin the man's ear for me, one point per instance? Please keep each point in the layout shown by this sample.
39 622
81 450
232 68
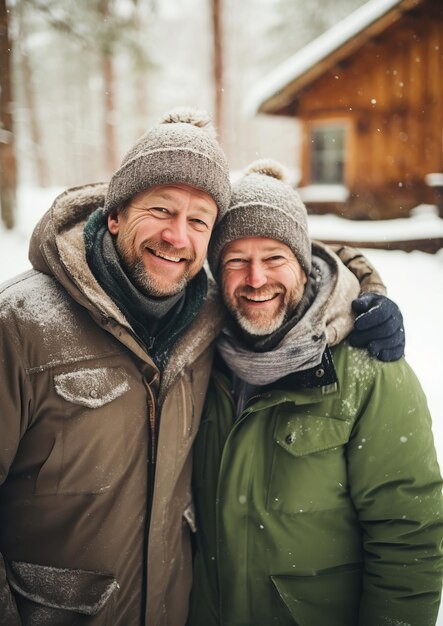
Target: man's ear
113 223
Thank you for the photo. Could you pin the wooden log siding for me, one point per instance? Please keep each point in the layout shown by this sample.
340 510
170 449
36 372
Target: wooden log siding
390 94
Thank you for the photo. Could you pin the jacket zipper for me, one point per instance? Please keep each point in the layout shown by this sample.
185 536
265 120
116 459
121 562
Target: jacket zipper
151 461
152 426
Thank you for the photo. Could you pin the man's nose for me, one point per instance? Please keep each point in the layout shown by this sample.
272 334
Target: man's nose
176 232
256 276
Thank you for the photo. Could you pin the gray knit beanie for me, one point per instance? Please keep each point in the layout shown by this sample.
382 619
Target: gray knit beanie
182 148
263 204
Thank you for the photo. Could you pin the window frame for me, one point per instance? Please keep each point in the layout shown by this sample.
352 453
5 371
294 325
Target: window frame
327 124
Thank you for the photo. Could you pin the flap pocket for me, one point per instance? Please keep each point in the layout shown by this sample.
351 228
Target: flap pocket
305 434
79 591
331 598
92 387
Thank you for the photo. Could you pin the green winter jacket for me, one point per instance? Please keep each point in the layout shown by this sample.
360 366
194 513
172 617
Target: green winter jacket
319 505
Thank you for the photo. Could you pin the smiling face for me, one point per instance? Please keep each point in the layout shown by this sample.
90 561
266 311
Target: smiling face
262 283
162 237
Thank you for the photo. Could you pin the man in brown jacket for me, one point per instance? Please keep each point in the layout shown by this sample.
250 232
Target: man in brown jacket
106 350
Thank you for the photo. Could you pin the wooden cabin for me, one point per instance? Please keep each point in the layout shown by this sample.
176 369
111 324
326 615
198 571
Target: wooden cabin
369 96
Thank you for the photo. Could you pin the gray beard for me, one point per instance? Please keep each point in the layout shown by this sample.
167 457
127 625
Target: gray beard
260 330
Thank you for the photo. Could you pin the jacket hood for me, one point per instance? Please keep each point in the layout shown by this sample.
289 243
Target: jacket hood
57 248
334 316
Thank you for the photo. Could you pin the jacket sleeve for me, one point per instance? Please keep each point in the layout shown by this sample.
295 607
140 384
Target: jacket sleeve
396 488
14 403
368 277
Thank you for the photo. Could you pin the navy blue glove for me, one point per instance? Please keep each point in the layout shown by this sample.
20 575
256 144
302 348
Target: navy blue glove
378 327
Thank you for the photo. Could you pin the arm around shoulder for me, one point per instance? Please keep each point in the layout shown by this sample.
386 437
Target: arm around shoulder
379 323
368 277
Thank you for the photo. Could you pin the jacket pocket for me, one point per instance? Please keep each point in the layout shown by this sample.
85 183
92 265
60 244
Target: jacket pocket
331 598
308 470
306 434
92 387
87 452
51 595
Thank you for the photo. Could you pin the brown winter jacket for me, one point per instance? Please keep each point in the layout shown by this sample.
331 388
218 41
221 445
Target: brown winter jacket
82 540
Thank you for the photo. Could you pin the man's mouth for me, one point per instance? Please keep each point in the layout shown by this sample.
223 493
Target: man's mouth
259 297
251 298
166 257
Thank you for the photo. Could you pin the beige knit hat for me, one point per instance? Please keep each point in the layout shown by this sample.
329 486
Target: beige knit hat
182 148
263 204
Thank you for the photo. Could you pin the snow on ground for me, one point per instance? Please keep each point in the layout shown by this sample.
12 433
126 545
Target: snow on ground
424 224
414 281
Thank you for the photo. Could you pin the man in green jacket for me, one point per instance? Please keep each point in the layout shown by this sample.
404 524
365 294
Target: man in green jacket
318 493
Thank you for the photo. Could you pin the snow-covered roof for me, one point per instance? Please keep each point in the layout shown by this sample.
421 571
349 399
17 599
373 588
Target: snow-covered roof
316 51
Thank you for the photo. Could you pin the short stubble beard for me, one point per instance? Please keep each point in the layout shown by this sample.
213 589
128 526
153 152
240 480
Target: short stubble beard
141 278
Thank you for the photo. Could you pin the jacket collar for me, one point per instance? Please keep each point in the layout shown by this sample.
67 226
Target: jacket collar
310 385
321 375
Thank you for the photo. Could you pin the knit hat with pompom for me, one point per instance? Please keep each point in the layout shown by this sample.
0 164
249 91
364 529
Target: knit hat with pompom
263 204
181 149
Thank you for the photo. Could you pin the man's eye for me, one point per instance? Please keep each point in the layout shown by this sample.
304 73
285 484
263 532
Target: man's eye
159 211
276 259
234 261
201 224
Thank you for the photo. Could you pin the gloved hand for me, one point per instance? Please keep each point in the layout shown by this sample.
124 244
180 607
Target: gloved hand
378 327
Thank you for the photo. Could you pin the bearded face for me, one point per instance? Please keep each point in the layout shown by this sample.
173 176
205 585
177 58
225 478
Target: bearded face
162 237
262 283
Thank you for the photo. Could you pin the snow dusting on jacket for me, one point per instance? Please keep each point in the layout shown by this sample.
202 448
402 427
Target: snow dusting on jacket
87 533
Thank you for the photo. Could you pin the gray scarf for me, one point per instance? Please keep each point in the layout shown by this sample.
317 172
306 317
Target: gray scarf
301 348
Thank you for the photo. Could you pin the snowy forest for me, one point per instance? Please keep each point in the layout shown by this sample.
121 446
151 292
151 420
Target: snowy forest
82 80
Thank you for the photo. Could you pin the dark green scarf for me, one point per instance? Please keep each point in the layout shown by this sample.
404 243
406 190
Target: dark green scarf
158 322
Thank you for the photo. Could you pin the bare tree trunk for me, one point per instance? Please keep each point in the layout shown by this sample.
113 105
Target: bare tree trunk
111 161
8 167
217 13
29 93
140 81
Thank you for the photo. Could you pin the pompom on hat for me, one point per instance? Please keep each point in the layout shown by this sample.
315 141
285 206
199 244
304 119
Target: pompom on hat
263 204
181 149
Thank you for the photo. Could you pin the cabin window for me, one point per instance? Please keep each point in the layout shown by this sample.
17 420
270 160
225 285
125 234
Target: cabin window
327 154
